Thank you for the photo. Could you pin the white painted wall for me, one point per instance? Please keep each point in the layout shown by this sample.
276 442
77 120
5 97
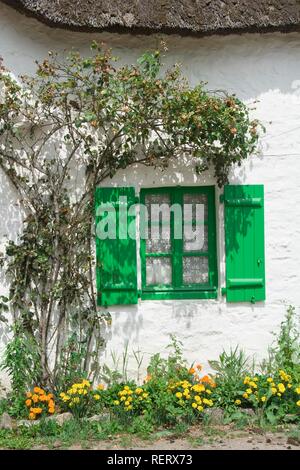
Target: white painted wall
264 68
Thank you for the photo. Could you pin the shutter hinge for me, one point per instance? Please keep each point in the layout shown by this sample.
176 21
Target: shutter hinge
223 291
221 198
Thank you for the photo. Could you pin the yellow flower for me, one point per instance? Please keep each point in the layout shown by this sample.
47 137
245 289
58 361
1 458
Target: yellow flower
194 405
273 385
289 385
197 398
97 397
279 394
298 403
188 397
116 402
129 407
178 394
145 395
138 391
252 384
246 380
200 408
281 388
84 392
208 392
298 390
237 402
126 387
270 380
245 395
127 403
249 391
100 387
273 390
263 399
123 398
86 383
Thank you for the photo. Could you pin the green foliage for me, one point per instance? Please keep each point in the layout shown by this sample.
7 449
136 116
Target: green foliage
22 363
285 351
231 367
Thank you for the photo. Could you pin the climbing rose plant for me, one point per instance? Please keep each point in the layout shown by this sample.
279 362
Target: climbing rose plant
77 121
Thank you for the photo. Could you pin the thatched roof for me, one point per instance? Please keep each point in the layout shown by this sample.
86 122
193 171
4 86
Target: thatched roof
199 17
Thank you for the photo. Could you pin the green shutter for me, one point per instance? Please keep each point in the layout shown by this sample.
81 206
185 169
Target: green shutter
244 243
116 270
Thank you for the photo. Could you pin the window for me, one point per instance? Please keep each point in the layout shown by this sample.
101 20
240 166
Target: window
178 243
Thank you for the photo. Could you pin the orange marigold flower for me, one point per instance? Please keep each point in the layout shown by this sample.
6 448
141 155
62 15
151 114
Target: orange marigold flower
199 367
28 394
147 378
51 404
192 370
35 398
51 410
38 411
36 389
28 402
50 395
31 415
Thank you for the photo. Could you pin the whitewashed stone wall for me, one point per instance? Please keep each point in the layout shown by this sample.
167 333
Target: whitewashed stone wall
263 68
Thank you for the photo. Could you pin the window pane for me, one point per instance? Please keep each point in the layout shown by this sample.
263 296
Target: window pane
195 237
158 223
159 242
158 271
191 211
156 199
195 270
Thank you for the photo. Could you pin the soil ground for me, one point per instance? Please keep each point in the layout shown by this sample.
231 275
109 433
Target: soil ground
218 438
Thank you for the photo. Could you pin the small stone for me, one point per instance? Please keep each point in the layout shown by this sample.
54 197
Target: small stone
56 444
6 422
102 417
61 418
293 441
216 415
268 440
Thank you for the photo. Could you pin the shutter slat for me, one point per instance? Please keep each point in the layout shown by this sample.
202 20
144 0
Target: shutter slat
116 258
244 243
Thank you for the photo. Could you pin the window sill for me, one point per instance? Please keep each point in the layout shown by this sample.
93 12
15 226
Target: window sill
177 295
